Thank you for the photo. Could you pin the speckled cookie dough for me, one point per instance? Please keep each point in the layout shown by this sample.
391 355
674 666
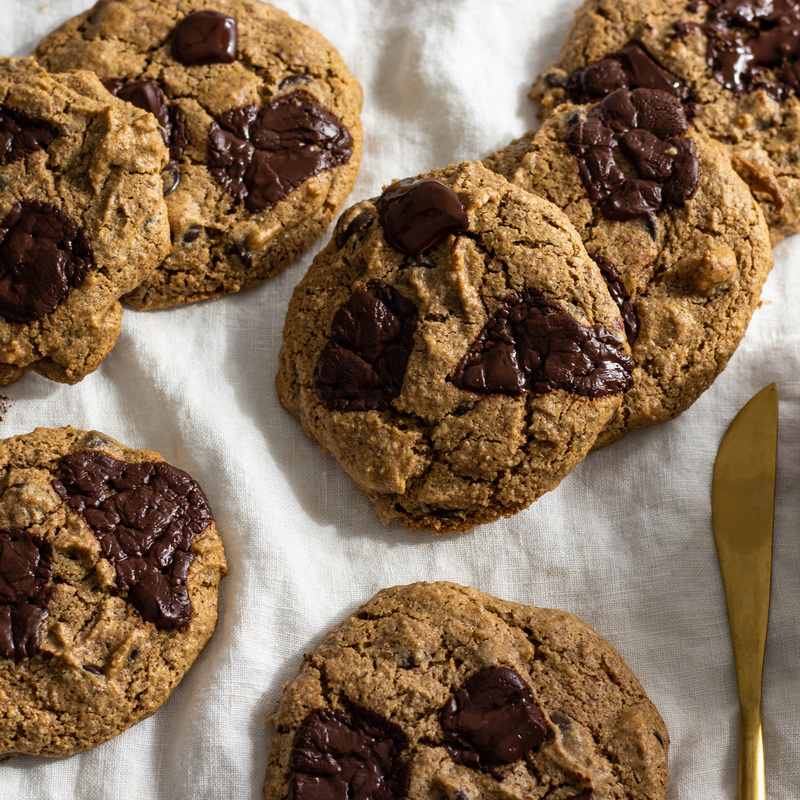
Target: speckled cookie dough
262 121
82 219
440 692
733 62
454 348
677 233
109 567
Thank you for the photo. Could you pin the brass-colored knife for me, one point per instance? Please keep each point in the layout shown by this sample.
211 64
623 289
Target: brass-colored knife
742 500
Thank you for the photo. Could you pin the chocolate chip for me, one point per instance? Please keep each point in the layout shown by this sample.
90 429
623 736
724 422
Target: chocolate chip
293 80
364 362
26 571
259 154
494 714
91 668
44 254
171 177
619 294
205 37
359 223
356 755
22 134
418 215
563 722
145 517
192 234
532 344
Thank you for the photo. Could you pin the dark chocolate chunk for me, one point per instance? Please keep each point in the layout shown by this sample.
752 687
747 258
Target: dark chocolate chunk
145 517
192 234
92 669
259 154
418 215
349 756
358 223
44 254
205 37
364 362
26 572
22 134
648 127
494 715
619 294
532 344
147 95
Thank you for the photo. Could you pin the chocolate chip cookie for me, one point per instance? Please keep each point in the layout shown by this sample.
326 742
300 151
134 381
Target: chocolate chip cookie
82 218
261 117
440 692
678 236
454 348
109 566
735 64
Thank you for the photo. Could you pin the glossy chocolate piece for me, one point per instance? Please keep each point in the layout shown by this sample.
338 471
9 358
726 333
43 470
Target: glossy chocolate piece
355 755
44 254
532 344
649 128
619 294
26 572
145 517
364 362
495 716
259 154
359 223
418 215
205 37
22 134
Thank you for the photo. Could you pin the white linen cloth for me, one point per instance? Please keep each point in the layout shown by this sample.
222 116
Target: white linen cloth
625 542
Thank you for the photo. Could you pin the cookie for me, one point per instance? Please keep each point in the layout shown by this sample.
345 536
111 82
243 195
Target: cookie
734 63
435 691
109 567
82 219
454 348
262 121
676 232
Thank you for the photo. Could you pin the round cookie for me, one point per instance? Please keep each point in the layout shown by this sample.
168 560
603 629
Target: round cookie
82 219
735 63
440 692
262 120
454 348
675 230
109 566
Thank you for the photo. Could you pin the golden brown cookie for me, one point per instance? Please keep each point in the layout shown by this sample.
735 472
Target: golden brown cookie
454 348
440 692
262 121
109 566
82 219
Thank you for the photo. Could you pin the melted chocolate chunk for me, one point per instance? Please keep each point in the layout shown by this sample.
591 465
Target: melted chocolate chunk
145 517
44 254
349 756
26 572
418 215
205 37
364 362
359 223
495 716
532 344
647 127
259 154
619 294
22 134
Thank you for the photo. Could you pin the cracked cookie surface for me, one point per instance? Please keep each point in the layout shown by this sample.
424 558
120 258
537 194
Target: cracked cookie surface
262 119
454 348
734 63
82 219
441 692
109 567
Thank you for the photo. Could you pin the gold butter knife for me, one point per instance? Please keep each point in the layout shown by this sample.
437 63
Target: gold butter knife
742 500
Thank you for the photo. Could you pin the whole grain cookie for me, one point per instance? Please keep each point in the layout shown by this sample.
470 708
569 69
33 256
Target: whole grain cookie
454 348
734 63
675 230
440 692
82 219
109 566
262 121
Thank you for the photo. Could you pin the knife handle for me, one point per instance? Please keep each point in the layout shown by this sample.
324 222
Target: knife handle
751 755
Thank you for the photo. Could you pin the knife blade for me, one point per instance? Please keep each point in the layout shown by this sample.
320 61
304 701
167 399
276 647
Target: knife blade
742 502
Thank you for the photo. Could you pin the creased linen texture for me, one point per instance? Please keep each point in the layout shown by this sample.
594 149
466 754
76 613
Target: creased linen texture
625 542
